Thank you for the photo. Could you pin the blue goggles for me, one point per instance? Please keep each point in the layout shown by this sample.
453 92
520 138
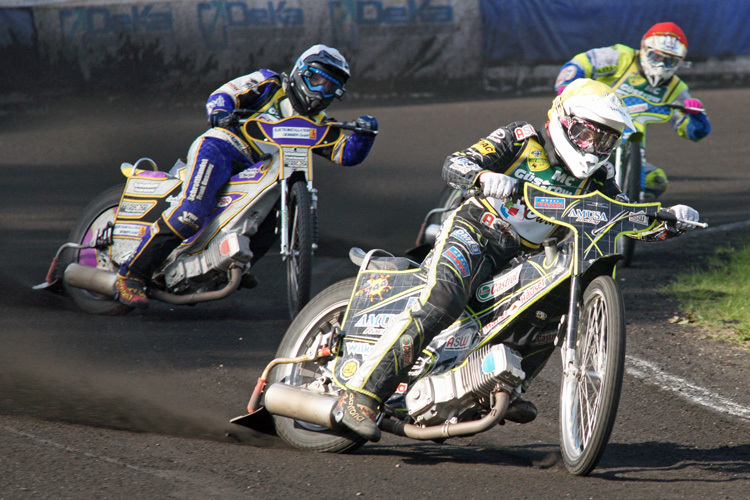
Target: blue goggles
318 80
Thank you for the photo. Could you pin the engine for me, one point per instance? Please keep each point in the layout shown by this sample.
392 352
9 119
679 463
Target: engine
436 399
202 270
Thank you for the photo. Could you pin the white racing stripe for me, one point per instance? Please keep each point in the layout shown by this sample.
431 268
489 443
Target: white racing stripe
652 373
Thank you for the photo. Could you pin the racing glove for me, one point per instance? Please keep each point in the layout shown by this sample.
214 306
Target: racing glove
693 106
222 118
496 185
684 212
368 123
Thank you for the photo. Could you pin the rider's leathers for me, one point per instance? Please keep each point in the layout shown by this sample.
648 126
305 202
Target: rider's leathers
476 240
221 153
619 67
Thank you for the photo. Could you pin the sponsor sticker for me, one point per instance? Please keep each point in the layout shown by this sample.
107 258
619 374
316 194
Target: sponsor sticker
587 216
524 132
638 218
459 261
294 133
549 202
464 237
498 286
349 369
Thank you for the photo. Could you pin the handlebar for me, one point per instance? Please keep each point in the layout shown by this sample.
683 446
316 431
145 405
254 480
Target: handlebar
241 113
683 108
670 218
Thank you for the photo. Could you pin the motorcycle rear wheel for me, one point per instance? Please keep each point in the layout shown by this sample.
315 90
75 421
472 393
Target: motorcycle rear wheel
590 391
324 311
299 262
632 189
95 217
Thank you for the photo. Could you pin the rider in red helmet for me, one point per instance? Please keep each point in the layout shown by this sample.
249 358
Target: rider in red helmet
645 77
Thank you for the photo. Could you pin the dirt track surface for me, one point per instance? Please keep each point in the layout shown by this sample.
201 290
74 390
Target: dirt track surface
138 407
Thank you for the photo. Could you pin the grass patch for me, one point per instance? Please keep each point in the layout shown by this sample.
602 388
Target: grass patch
717 295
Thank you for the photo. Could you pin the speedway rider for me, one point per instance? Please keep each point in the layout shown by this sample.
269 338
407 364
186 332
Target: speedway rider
645 74
569 155
318 76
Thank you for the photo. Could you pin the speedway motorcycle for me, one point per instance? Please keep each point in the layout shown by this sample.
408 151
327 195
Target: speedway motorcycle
562 296
628 157
209 265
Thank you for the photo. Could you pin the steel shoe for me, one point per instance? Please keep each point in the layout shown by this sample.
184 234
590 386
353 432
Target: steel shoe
521 411
358 412
131 292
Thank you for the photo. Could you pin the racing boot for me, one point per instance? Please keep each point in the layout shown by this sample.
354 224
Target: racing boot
132 277
521 411
131 292
358 412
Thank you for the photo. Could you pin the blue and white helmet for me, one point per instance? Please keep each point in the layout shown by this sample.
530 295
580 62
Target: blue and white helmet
318 76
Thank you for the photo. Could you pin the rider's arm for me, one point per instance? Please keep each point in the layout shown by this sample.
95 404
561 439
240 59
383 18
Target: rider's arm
495 153
595 63
689 126
253 91
350 150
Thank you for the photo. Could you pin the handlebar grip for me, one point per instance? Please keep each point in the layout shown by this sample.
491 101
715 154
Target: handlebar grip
662 215
517 193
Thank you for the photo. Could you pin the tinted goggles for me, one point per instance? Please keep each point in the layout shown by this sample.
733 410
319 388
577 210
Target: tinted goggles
318 80
591 138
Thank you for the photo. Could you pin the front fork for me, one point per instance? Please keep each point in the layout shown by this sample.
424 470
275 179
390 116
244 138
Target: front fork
286 251
569 349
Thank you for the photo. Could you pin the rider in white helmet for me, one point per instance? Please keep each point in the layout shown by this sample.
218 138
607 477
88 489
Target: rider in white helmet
569 155
645 80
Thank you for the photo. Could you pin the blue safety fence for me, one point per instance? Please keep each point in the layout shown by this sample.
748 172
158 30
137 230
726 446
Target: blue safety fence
549 31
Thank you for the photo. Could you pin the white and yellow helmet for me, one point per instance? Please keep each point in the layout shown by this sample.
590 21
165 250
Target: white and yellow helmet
586 124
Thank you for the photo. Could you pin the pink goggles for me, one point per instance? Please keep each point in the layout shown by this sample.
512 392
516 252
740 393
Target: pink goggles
590 138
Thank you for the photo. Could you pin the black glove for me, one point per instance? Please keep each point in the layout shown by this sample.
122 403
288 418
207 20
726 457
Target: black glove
222 118
368 124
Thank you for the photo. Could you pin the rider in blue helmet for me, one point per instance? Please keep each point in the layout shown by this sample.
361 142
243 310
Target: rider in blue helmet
318 77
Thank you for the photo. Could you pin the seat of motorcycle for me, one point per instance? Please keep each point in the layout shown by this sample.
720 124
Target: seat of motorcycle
385 262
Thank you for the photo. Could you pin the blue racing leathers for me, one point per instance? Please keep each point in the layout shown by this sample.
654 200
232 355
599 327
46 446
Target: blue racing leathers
220 153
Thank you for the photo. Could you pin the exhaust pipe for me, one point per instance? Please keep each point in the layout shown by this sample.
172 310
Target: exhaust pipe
300 404
90 278
100 281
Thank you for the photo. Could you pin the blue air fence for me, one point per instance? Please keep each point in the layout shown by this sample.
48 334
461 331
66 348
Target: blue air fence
394 46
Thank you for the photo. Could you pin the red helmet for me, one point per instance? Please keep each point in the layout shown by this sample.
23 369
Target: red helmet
663 48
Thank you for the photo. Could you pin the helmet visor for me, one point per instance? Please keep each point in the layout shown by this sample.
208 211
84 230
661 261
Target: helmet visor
591 138
318 80
660 59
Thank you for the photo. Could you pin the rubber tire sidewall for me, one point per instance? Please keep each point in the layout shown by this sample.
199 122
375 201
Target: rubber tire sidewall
300 202
336 297
612 387
90 302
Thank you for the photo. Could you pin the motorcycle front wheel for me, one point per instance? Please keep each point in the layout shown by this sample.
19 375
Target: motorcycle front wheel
100 212
300 229
324 313
591 386
631 188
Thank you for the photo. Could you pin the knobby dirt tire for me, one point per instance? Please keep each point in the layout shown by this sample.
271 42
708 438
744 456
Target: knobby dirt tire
632 189
95 216
590 393
300 231
325 310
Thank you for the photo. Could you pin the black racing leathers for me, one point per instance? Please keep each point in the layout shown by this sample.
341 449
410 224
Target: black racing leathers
477 240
